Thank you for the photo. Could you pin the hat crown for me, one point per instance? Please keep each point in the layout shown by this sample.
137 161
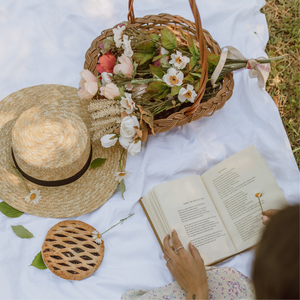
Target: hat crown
50 143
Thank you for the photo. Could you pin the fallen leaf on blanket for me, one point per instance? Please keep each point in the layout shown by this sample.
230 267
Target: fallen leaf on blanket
122 188
22 232
97 163
10 211
38 262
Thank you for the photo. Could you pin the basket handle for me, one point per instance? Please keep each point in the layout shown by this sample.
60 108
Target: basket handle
203 52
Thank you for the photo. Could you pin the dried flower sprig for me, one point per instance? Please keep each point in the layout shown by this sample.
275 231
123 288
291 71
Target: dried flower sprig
98 236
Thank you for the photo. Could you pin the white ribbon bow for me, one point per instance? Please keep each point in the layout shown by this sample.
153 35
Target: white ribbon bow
259 71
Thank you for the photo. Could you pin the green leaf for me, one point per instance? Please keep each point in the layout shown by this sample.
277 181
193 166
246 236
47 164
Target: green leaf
188 78
175 90
157 57
192 46
9 211
197 85
122 188
193 61
213 59
155 37
184 36
146 47
156 87
168 39
157 71
22 232
38 262
165 94
122 91
97 162
99 82
141 58
196 75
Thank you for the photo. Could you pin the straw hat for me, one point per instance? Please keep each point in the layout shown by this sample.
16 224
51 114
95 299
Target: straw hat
44 133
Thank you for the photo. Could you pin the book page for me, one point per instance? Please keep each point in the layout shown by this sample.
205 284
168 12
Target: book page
189 210
233 185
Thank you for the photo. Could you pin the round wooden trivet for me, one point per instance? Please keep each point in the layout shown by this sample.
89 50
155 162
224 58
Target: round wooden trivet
70 251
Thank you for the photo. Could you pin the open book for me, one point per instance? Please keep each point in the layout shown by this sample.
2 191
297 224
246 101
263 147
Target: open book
219 211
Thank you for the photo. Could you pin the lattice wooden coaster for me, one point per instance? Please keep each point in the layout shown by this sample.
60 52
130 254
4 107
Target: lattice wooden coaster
70 251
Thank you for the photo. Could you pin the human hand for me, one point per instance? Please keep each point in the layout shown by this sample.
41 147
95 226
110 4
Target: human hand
268 214
187 269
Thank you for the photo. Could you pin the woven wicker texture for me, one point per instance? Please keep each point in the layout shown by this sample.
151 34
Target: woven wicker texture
153 24
70 252
85 194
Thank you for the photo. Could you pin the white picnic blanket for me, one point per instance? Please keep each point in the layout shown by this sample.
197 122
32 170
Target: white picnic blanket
44 42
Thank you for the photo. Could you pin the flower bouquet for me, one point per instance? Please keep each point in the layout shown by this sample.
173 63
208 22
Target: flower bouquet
151 74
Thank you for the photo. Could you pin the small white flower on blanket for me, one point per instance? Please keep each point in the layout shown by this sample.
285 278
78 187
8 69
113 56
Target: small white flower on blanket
97 237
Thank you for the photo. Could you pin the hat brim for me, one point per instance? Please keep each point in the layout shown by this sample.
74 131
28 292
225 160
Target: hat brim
82 196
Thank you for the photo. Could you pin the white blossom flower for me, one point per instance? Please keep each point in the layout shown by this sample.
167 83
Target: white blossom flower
164 60
187 94
118 34
122 175
126 46
127 127
173 77
97 237
105 78
135 147
163 51
33 196
178 60
125 142
109 140
127 103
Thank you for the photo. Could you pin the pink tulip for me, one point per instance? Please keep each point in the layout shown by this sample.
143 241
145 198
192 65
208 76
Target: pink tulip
110 91
125 66
107 62
88 85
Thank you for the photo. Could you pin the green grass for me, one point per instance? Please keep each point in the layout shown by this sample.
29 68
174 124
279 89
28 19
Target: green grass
284 80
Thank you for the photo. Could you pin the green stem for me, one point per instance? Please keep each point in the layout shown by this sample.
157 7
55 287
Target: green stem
120 160
20 175
260 205
121 221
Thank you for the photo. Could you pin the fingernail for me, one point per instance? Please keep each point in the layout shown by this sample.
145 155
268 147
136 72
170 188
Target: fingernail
173 230
192 243
166 235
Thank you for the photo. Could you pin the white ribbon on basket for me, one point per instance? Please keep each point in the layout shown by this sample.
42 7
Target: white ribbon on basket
256 70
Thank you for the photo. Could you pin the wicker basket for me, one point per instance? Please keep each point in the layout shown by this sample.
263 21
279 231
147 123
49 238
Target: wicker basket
153 24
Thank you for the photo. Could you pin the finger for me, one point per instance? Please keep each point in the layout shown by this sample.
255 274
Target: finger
176 241
271 212
167 248
194 251
265 220
168 259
